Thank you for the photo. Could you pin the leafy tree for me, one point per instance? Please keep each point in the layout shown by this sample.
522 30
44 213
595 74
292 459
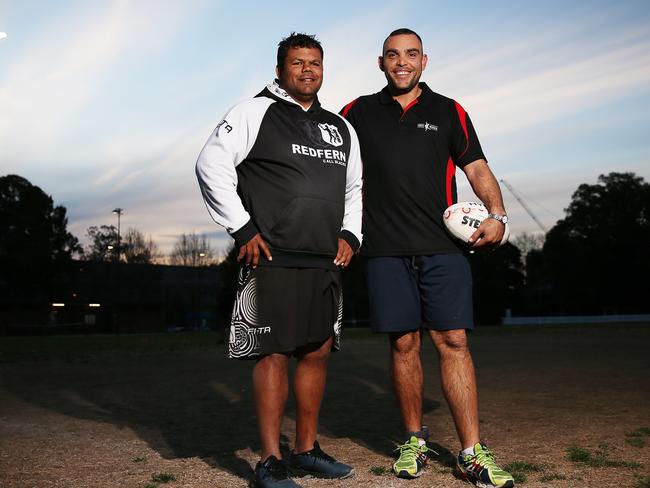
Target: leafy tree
35 245
527 242
597 256
535 299
103 243
192 250
137 249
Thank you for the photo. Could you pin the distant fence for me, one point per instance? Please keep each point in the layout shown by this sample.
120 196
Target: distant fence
574 319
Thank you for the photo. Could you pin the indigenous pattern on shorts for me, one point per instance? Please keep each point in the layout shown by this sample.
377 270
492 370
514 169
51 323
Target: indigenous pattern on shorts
245 329
336 344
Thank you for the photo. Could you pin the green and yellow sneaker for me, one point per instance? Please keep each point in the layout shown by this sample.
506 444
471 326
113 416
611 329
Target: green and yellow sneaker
481 469
412 458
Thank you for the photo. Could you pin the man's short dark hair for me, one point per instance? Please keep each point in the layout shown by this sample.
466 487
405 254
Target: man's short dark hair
403 31
296 40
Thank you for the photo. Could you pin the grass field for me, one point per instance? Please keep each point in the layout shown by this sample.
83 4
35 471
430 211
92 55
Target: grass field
563 406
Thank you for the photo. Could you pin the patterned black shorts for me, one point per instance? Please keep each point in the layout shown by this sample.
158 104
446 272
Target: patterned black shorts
278 310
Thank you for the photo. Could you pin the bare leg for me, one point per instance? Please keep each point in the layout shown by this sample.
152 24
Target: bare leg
271 386
408 382
308 388
458 381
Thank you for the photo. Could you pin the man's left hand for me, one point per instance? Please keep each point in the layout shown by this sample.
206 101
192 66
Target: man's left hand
488 235
344 255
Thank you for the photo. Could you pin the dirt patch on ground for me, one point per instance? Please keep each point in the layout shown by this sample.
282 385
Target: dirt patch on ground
115 411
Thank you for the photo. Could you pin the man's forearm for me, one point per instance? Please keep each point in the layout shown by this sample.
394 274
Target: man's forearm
485 185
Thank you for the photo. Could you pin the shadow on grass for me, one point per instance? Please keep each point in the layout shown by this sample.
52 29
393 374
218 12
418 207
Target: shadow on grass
192 402
359 402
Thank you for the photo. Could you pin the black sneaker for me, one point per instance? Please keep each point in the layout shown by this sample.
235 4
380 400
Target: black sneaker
318 464
273 473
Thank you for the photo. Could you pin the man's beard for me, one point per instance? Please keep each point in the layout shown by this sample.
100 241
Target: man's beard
396 90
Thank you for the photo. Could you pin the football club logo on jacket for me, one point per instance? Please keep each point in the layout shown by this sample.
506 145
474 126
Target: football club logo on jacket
321 137
321 134
330 134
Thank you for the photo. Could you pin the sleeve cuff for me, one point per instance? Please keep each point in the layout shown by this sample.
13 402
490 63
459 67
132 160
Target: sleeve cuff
245 234
351 239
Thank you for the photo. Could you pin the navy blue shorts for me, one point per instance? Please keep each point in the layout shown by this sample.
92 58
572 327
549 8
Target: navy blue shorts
407 293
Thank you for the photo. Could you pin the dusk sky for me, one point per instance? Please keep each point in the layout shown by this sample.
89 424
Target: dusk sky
107 104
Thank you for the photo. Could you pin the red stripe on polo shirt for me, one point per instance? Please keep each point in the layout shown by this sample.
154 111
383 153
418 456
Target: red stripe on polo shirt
414 102
348 107
449 178
462 115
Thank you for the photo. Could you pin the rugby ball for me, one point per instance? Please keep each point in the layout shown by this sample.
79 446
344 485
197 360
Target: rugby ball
463 218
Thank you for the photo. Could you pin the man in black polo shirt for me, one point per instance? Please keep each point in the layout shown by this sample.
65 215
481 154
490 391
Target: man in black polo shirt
412 140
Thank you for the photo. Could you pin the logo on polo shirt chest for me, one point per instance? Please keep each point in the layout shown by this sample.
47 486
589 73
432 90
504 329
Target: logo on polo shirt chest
427 126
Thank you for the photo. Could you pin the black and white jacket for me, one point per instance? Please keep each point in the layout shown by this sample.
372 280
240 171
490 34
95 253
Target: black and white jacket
291 174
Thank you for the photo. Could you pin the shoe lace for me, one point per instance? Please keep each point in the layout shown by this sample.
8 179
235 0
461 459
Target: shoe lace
409 451
486 459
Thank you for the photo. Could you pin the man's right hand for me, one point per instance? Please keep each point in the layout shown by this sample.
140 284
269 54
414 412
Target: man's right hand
250 252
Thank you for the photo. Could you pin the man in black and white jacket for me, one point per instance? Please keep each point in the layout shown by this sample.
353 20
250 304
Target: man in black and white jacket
283 176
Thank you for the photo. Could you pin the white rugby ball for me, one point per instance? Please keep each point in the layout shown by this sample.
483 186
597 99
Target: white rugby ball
463 218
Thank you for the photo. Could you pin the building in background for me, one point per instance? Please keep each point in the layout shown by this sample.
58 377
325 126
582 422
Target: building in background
105 297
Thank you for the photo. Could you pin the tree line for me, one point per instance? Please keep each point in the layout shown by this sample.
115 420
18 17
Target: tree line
105 244
34 233
593 261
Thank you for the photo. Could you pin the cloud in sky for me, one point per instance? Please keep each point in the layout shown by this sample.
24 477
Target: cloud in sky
107 104
524 86
54 89
64 68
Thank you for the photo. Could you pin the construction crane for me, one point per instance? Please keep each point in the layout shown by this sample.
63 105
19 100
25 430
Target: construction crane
523 204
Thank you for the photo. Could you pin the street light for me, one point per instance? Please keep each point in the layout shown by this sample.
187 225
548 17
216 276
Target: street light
118 211
3 35
116 302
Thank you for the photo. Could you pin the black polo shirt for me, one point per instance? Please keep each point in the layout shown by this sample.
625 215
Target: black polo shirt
409 165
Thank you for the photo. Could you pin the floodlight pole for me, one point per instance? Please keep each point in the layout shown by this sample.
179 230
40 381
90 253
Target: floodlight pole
118 211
